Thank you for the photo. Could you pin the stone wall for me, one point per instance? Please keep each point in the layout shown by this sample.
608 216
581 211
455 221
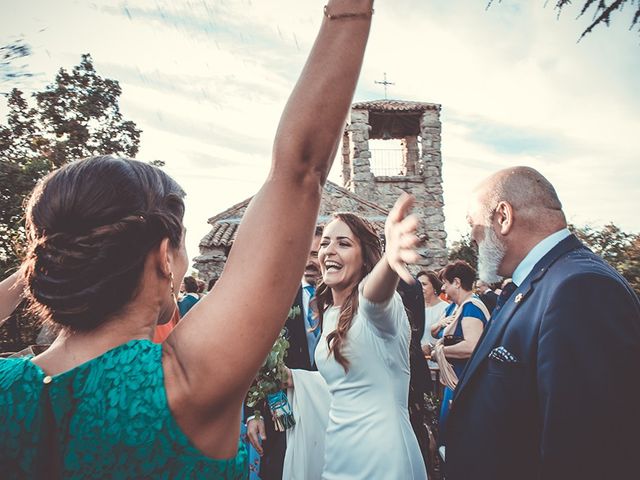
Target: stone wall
215 246
210 262
433 203
360 178
423 179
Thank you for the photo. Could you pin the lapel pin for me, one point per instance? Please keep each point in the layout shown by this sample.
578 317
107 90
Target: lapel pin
518 298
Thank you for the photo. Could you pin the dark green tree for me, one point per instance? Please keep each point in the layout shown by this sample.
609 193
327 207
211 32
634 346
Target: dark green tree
21 165
464 249
76 116
620 249
80 113
631 267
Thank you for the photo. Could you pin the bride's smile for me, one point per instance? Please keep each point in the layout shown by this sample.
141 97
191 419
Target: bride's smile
340 256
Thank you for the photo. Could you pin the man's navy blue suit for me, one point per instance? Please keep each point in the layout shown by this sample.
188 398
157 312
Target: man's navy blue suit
570 406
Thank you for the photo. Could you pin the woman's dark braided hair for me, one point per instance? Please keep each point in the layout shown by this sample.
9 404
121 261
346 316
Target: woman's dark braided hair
90 226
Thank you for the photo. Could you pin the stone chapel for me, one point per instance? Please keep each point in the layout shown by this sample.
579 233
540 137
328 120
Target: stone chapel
387 146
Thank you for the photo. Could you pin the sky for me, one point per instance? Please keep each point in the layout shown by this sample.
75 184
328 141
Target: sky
207 80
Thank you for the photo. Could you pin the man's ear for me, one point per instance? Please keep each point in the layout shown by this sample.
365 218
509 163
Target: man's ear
504 217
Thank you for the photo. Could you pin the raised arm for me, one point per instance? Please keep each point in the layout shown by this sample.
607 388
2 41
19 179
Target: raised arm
401 241
381 283
225 338
11 293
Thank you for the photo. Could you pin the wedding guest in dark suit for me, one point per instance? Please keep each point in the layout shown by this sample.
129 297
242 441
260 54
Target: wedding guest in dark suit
507 287
420 382
303 338
488 296
552 390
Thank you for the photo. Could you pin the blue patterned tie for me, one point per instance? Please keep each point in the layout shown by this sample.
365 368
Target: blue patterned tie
311 290
312 335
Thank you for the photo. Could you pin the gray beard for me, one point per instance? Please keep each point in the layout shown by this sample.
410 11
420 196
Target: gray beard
490 254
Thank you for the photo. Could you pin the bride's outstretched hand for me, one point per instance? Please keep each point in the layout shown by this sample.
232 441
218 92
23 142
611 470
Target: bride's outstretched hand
401 239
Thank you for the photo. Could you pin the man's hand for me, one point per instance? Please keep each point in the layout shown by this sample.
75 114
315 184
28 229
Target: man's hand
256 434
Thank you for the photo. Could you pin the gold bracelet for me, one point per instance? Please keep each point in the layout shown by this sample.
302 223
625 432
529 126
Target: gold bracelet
339 16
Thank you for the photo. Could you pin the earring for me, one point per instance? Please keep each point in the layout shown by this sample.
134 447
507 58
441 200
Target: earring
172 291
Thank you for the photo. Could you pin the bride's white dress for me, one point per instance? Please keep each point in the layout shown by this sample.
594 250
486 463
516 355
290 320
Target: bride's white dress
369 435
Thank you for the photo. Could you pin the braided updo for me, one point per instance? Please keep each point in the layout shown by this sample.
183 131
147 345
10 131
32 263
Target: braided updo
90 226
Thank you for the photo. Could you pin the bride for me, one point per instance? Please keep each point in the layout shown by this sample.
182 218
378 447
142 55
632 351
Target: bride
362 358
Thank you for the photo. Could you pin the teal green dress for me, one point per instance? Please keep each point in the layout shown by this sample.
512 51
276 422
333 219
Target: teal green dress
112 420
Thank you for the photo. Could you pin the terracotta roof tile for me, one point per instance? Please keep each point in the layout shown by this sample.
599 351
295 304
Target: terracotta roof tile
395 106
224 225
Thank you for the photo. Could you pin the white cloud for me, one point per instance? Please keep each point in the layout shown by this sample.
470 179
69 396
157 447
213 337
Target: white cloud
206 81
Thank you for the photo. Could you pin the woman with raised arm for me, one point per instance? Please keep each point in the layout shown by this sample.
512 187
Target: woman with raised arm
362 357
11 294
106 255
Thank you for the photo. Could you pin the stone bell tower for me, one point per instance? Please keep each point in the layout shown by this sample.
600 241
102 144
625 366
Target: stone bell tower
404 155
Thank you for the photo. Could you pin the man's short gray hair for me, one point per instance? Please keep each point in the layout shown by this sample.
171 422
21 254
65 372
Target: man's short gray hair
525 189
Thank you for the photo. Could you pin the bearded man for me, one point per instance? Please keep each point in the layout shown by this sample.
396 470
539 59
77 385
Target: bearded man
552 390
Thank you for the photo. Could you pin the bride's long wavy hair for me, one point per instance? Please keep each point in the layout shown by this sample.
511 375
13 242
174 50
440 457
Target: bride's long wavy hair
371 248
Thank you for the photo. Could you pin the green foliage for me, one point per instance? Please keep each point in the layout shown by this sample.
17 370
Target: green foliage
601 11
157 163
80 110
76 116
621 250
464 249
272 373
19 331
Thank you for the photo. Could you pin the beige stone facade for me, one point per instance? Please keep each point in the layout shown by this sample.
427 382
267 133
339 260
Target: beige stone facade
415 167
215 246
419 164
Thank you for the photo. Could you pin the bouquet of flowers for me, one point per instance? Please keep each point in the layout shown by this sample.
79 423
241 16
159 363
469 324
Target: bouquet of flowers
268 386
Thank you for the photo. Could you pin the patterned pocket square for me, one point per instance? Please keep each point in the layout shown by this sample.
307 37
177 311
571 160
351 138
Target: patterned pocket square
501 354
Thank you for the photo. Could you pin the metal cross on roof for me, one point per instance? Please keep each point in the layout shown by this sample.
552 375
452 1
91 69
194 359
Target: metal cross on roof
385 83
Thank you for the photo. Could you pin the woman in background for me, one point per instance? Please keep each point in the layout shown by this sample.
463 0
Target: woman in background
458 331
434 308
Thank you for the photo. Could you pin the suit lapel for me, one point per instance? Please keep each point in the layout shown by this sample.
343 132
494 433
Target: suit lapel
518 298
298 354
